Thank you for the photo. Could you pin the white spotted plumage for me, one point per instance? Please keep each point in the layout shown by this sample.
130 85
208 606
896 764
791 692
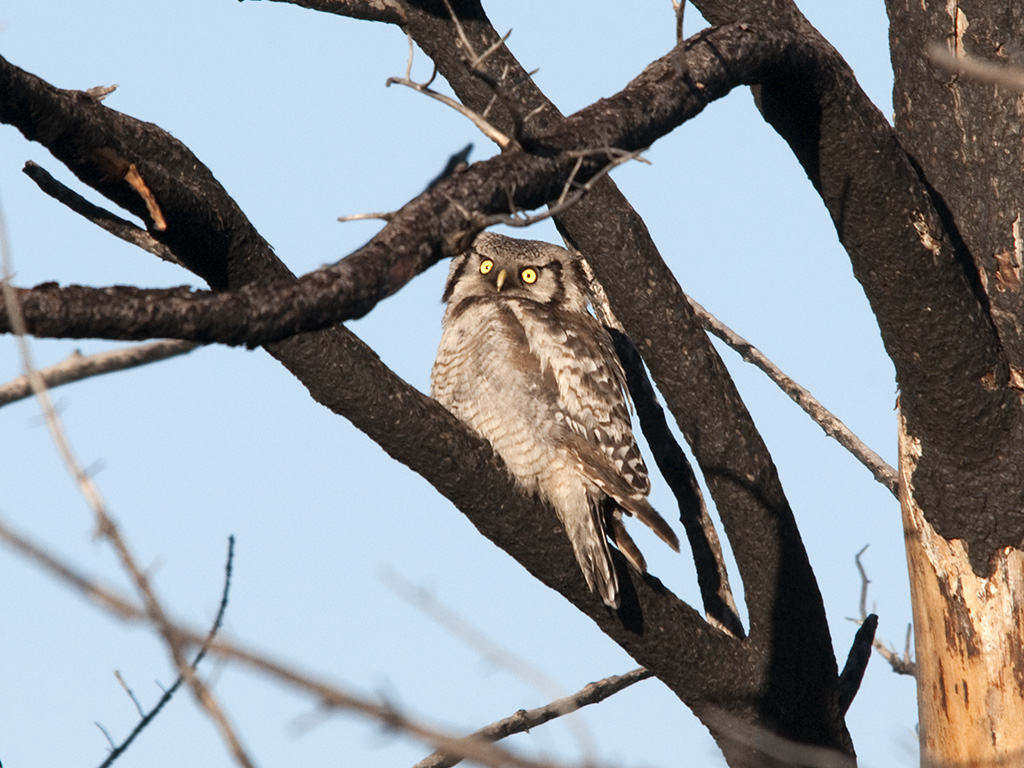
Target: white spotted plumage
526 366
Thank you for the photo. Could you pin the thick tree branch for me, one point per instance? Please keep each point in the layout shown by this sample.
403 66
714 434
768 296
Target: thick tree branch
212 236
959 366
787 616
425 230
964 138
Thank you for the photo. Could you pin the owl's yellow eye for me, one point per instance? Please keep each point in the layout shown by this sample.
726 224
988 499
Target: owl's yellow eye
529 275
486 266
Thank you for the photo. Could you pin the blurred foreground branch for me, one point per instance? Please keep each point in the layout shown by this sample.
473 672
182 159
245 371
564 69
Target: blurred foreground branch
328 695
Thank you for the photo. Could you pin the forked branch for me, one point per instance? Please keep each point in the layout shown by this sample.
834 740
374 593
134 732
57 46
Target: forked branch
421 233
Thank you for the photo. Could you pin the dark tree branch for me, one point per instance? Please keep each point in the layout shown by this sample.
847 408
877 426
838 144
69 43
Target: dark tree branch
712 576
215 239
964 137
857 662
430 227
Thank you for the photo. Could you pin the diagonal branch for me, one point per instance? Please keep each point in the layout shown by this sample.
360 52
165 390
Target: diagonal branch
208 232
113 224
77 366
425 230
827 420
525 719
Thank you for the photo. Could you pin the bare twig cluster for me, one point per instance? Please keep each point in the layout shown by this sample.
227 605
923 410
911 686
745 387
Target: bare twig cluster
901 665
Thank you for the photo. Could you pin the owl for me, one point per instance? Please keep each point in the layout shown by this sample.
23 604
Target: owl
526 366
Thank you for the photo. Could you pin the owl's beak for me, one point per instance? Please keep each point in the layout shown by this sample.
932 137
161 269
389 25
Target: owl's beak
500 280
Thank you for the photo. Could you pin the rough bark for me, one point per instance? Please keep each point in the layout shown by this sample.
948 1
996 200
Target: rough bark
962 449
964 136
704 667
784 677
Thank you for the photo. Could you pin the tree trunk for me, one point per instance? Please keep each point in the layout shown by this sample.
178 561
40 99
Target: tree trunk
969 635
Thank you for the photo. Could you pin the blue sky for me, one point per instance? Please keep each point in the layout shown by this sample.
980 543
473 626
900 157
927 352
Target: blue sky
289 110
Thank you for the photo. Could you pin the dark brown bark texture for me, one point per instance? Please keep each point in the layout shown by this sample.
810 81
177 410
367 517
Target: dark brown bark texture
784 676
789 636
891 195
963 399
424 231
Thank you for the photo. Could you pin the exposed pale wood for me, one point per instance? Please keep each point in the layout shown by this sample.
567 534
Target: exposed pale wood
969 634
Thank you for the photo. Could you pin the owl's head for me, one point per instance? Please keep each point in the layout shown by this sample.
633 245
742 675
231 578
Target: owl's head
504 267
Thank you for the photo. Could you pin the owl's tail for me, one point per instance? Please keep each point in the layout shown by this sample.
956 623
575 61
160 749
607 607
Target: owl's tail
585 529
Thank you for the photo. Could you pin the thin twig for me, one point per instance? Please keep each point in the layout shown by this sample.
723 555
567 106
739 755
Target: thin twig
485 127
329 696
864 581
478 120
105 526
130 692
498 655
35 380
900 665
383 216
175 643
976 69
525 719
566 201
682 66
827 420
169 692
78 366
469 634
474 62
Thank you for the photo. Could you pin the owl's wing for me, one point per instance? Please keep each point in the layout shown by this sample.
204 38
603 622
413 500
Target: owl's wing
591 385
594 464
